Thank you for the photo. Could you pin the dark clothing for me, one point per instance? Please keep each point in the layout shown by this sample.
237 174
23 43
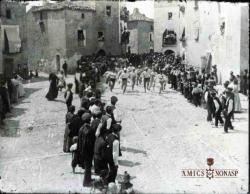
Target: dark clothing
65 68
85 146
86 142
228 123
75 159
125 186
53 90
5 99
87 166
228 116
70 99
210 107
108 156
81 89
218 113
111 83
99 162
112 171
218 118
76 86
197 99
75 126
104 124
146 83
67 140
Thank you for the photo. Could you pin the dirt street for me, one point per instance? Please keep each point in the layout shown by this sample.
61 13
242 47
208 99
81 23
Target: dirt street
161 135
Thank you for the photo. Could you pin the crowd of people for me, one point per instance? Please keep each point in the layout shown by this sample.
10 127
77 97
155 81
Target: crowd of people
10 91
92 132
198 87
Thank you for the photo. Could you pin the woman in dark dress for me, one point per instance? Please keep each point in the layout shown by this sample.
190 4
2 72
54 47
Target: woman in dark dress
53 90
67 139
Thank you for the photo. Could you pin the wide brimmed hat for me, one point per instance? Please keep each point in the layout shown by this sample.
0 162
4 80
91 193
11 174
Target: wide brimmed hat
96 111
86 116
116 127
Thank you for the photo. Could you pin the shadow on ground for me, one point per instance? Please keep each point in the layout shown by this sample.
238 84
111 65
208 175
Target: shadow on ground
10 129
128 163
28 92
34 80
133 150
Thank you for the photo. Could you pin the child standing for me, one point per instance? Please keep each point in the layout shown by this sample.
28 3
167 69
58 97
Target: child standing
68 95
75 155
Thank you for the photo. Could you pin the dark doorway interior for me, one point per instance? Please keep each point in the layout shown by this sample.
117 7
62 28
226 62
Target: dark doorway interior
101 53
58 62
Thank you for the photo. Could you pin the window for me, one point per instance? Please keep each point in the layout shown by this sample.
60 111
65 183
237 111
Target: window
81 34
83 15
42 26
150 37
151 27
8 14
170 15
100 36
108 10
41 15
169 38
129 50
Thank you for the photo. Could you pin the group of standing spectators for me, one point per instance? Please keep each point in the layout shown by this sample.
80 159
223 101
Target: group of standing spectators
10 91
92 133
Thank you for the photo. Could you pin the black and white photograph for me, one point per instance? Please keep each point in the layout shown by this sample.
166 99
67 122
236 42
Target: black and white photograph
124 97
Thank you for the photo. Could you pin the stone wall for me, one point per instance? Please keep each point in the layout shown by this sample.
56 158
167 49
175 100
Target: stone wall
244 38
109 25
144 29
61 35
133 36
161 23
18 18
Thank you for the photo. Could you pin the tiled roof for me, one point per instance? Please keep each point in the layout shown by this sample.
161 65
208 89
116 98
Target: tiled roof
136 15
62 5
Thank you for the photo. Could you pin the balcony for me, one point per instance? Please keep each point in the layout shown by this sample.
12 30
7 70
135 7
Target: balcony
169 38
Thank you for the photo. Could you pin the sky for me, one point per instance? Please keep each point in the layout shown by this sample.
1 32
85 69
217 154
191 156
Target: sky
145 7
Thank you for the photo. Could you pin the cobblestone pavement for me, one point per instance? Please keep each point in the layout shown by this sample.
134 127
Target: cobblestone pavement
161 135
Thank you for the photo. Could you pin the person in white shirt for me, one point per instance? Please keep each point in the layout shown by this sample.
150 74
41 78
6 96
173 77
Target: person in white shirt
124 77
133 78
146 78
111 152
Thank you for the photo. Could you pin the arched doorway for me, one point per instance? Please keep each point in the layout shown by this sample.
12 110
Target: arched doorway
101 52
169 52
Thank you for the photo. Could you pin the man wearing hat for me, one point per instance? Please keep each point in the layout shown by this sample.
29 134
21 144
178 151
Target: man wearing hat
85 146
68 95
111 152
229 109
218 109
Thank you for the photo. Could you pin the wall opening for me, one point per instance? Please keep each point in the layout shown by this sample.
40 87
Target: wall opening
58 65
101 52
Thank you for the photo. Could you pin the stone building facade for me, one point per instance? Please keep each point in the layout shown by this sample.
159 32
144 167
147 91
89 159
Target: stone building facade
217 34
167 26
207 33
13 36
69 30
141 33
